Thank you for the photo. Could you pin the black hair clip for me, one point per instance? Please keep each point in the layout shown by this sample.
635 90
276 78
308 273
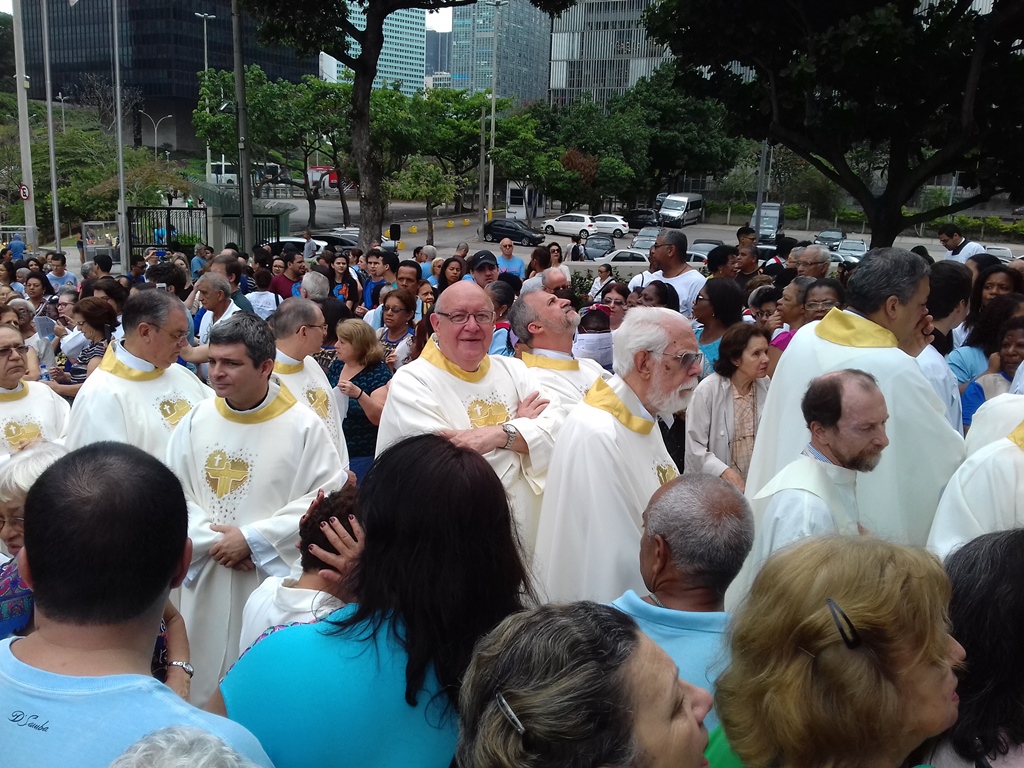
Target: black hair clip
849 633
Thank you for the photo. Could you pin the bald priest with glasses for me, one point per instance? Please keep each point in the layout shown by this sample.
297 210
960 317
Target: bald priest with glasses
490 404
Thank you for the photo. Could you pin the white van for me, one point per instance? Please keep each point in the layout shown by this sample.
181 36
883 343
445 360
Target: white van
680 210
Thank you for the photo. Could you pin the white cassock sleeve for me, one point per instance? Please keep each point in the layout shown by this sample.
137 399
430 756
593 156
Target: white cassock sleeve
793 514
96 417
411 408
985 495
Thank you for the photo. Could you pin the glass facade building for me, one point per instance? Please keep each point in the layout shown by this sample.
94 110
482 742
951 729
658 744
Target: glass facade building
402 57
161 54
439 52
523 44
601 47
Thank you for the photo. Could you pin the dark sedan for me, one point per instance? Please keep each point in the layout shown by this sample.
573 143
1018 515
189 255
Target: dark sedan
639 218
598 245
513 229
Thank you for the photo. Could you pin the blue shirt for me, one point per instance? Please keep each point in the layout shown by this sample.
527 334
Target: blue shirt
693 640
368 291
197 264
967 363
62 721
514 266
314 697
425 270
973 398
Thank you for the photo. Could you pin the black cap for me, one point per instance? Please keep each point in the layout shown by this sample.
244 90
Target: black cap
481 259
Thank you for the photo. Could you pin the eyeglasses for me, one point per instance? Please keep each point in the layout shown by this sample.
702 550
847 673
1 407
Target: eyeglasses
321 326
5 352
178 337
65 304
699 299
809 263
510 245
393 311
17 523
656 246
461 318
613 303
687 359
814 306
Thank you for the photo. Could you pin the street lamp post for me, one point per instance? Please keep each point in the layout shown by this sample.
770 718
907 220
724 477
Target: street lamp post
44 12
62 98
206 68
29 205
122 193
156 128
496 4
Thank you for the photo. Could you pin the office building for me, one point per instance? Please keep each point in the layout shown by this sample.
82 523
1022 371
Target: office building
402 57
601 47
523 44
439 52
438 80
161 52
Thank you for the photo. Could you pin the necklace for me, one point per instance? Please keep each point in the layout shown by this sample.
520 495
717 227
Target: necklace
657 602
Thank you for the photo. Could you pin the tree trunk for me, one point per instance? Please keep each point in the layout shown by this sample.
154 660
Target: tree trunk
886 222
430 224
367 157
458 204
311 202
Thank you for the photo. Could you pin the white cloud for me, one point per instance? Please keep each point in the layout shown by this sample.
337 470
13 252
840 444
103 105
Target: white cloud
440 21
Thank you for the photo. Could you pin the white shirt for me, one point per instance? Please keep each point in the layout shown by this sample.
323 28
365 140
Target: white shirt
279 600
968 248
687 285
934 367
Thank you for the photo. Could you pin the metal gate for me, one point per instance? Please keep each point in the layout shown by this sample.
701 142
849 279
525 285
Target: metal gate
268 228
178 228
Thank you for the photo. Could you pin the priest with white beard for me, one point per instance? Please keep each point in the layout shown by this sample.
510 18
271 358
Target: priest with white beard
139 395
547 325
884 328
610 458
299 332
29 410
250 461
816 494
985 495
487 403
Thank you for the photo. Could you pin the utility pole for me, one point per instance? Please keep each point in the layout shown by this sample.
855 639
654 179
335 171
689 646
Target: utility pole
54 204
122 194
21 86
483 160
496 5
247 235
206 68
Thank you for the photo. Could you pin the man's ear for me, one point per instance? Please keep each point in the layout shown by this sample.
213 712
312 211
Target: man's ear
642 362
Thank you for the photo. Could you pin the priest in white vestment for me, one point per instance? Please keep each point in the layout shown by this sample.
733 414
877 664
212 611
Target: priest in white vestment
547 325
885 327
816 494
995 418
299 332
250 461
138 395
985 495
29 410
488 403
610 458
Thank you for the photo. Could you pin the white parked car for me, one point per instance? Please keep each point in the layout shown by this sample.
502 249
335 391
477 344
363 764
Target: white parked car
616 226
622 255
1001 252
852 249
571 224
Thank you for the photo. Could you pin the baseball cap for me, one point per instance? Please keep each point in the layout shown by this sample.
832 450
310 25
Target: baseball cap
481 259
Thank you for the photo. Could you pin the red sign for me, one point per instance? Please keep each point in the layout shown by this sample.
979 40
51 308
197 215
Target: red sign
23 191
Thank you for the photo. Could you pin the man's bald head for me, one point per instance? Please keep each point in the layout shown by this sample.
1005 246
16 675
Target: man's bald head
457 292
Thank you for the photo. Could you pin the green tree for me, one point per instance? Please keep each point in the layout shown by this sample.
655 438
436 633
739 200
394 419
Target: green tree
523 157
7 71
424 179
312 26
922 84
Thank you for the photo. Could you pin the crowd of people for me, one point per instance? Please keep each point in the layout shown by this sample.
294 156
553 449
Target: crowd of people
345 508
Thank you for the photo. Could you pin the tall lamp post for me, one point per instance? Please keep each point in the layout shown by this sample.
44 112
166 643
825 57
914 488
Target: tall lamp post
62 98
496 4
156 128
206 68
29 205
44 12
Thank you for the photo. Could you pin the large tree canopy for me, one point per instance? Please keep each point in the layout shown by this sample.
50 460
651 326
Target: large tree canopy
932 87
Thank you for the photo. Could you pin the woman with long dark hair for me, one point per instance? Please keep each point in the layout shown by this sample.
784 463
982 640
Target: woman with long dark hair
451 272
378 681
344 287
975 357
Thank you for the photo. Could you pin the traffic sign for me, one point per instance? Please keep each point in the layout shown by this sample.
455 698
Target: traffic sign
23 191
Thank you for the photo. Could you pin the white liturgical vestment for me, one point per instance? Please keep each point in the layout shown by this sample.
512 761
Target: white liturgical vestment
257 470
985 495
995 418
29 412
131 401
609 460
432 394
569 378
897 499
307 381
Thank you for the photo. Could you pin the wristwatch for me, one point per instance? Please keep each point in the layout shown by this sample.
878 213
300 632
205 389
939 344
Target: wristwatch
512 433
189 669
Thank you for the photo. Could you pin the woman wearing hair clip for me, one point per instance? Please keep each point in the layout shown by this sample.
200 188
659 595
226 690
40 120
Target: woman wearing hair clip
840 656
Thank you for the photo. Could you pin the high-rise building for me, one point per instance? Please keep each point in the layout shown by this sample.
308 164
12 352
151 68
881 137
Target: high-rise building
601 47
161 52
523 34
439 52
401 58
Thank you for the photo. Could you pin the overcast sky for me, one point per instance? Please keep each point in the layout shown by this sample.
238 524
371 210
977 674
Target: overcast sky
441 20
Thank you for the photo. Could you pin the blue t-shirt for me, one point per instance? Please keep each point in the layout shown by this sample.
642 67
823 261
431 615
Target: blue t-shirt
197 264
425 270
86 722
59 282
514 266
368 291
967 363
693 640
973 398
315 698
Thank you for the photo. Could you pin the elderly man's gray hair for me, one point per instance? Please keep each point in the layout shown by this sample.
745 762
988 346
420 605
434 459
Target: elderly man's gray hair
708 526
291 315
645 328
181 747
247 329
153 307
885 272
316 285
520 315
215 282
